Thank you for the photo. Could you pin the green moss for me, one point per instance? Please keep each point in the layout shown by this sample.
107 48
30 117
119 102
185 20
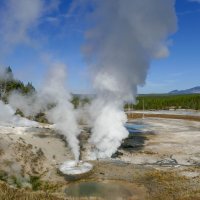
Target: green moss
16 181
35 182
3 175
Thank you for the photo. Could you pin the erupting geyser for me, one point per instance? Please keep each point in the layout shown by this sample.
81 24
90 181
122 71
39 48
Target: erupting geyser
123 37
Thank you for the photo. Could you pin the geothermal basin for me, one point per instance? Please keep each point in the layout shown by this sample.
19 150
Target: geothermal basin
73 170
167 148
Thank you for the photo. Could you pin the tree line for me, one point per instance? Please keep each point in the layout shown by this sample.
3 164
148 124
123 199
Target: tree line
166 102
8 84
150 102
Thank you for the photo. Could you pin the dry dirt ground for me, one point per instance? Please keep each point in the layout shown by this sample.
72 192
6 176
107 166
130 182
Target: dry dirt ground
159 160
139 115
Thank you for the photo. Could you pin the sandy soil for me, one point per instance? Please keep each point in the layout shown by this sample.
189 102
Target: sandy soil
168 141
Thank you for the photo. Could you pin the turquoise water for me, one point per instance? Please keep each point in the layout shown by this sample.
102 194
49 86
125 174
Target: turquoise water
135 128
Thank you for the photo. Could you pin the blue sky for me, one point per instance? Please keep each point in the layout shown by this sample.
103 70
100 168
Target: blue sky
52 34
181 69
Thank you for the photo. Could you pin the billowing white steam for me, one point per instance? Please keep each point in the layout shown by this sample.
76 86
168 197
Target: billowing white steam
61 113
7 115
125 36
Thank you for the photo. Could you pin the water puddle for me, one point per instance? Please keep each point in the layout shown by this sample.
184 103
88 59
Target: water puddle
138 134
107 190
136 128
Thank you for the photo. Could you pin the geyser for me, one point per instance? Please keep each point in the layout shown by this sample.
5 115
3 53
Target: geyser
123 38
54 100
75 170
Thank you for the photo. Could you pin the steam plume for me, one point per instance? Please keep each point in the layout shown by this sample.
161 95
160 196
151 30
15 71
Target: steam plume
20 22
124 38
7 115
61 114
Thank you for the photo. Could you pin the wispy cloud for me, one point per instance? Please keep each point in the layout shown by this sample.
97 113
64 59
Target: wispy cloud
198 1
20 19
187 12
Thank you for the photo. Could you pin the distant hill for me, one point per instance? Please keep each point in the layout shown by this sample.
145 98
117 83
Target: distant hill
194 90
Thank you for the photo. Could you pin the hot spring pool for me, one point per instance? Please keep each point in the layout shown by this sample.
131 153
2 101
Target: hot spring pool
136 128
107 190
74 171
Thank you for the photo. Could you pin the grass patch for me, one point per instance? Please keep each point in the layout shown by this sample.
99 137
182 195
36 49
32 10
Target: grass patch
35 182
3 175
163 185
8 193
16 181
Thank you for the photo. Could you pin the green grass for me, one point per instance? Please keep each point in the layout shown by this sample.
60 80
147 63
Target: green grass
35 182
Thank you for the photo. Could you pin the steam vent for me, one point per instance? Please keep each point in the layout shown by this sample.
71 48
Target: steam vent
74 171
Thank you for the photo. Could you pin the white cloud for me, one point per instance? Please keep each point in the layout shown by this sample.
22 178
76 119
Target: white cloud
19 19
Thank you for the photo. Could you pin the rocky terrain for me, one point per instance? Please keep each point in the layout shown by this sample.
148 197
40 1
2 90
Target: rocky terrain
160 160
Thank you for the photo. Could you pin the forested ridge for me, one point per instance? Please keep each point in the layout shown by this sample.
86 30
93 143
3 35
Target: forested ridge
8 83
165 102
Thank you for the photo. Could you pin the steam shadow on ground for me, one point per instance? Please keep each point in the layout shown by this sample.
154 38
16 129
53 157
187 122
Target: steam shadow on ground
138 134
135 142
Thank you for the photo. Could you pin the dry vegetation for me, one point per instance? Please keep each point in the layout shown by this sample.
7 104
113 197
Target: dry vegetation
162 185
9 193
168 116
158 184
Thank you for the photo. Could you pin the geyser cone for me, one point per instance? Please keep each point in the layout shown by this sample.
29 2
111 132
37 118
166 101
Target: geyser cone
73 170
